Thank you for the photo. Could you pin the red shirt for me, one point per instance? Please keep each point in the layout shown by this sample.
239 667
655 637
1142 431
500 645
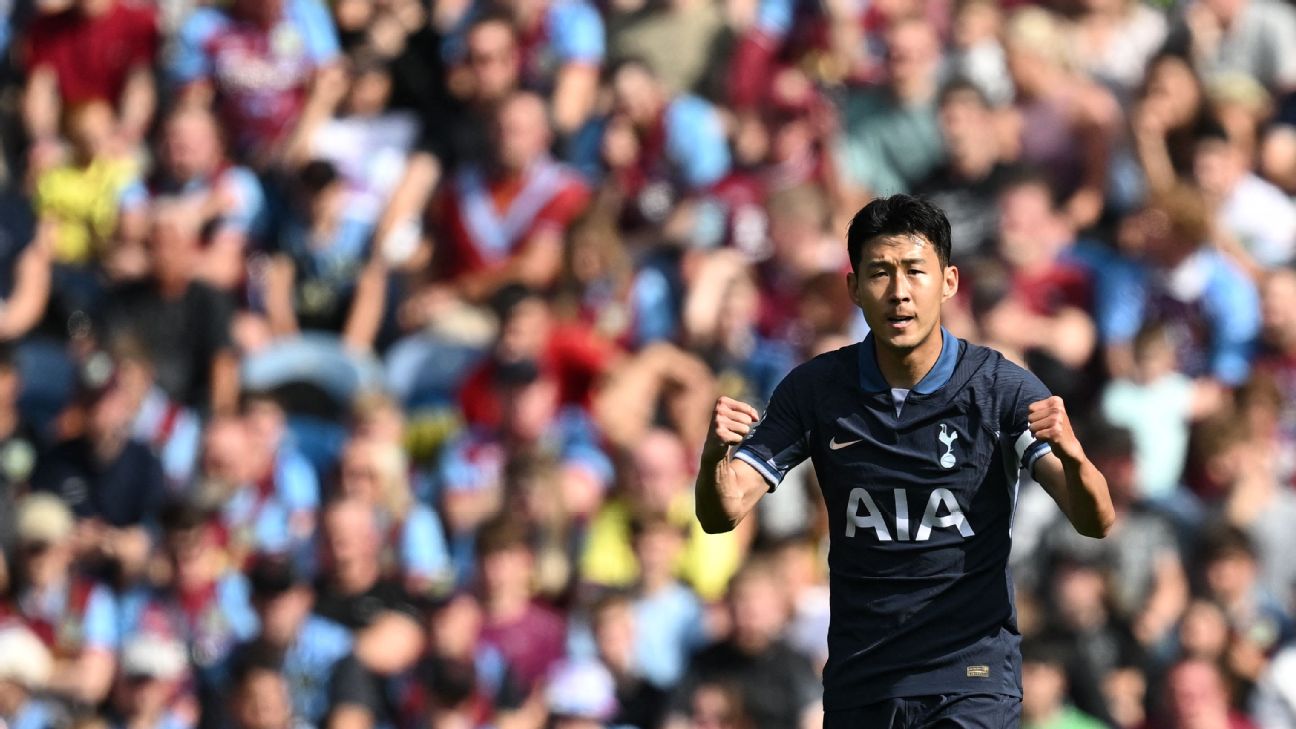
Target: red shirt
1064 284
92 56
485 220
531 645
575 356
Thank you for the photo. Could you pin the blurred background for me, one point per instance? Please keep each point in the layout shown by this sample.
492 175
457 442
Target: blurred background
356 357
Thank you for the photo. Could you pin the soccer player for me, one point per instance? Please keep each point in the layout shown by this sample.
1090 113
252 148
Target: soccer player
918 439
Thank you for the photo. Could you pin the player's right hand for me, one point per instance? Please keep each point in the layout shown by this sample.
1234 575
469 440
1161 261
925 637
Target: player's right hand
731 421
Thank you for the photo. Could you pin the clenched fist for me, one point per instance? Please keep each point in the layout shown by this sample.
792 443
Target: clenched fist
731 421
1049 423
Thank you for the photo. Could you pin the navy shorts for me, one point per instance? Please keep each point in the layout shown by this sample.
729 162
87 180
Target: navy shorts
947 711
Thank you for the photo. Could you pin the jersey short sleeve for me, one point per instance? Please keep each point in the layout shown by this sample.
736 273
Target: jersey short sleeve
189 59
316 26
781 439
1022 388
576 31
101 620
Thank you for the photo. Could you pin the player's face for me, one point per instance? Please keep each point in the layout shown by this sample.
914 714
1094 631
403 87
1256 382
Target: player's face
901 287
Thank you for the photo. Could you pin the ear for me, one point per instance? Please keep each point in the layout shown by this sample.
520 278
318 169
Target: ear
951 283
852 281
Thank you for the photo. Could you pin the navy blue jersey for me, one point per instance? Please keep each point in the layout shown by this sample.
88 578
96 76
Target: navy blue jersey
920 505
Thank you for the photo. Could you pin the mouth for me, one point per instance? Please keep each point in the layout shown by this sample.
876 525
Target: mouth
899 323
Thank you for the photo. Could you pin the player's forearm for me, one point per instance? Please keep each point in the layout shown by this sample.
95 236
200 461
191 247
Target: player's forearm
719 500
1088 502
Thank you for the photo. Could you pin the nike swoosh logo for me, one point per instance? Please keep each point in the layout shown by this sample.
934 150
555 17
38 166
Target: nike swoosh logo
834 445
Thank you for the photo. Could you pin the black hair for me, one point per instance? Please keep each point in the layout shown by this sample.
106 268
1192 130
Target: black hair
317 175
899 215
253 658
960 86
1225 540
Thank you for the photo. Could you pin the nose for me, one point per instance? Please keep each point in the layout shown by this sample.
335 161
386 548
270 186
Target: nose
899 292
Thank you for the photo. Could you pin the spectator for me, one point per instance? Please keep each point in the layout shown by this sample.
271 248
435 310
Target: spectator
77 200
967 185
181 321
171 430
352 591
113 483
213 63
1080 619
1067 123
504 223
300 648
1230 575
1114 39
228 198
1210 308
640 702
669 619
202 602
1240 35
890 139
91 51
148 693
491 71
528 635
1044 315
720 318
1167 117
1240 200
74 616
377 473
1044 690
388 168
655 485
718 705
324 277
659 148
256 511
561 51
1196 697
1157 386
1257 503
472 466
261 697
1149 587
571 352
777 684
24 671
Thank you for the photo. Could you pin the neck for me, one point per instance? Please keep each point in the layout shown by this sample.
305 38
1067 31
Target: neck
906 368
975 166
916 91
8 421
172 287
1045 717
654 582
358 577
506 606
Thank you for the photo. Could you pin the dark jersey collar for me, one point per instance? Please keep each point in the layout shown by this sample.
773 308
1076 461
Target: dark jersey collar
871 379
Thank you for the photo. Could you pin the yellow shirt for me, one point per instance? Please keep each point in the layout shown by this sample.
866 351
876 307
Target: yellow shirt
706 562
82 203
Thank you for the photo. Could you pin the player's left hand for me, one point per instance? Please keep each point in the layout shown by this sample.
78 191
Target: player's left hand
1049 422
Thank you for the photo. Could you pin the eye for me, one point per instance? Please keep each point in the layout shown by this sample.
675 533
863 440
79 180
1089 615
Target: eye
877 274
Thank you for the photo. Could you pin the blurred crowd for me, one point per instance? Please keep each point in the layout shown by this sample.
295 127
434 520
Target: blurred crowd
356 357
